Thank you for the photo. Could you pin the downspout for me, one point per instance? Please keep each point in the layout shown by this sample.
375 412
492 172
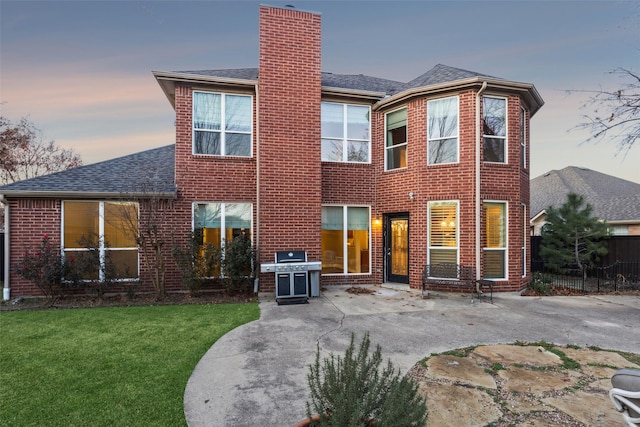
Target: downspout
478 154
256 281
6 290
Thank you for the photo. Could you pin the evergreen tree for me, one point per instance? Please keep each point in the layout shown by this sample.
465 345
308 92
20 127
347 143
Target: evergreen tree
572 236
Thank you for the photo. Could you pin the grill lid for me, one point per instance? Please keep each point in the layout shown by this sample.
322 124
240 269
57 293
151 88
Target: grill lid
291 256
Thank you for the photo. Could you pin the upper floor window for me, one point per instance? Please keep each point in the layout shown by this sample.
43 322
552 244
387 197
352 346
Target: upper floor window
523 138
222 124
345 133
494 129
396 142
442 130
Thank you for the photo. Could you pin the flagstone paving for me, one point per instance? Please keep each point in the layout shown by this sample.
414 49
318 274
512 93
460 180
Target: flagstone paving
521 384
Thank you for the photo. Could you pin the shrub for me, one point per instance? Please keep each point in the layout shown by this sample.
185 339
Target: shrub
86 269
196 262
238 264
541 285
45 267
353 391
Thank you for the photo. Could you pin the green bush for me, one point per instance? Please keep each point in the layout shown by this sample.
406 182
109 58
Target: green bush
353 391
197 261
541 285
45 267
238 264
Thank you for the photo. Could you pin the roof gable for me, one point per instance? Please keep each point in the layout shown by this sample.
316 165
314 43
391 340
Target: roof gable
443 74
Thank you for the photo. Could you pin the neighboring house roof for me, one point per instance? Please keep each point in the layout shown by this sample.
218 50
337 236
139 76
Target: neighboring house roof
385 91
146 173
613 199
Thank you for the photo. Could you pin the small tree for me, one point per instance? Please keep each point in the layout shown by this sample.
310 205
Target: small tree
572 236
239 262
24 153
353 391
196 262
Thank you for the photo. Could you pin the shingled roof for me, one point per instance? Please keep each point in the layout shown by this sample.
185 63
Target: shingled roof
140 174
612 199
438 74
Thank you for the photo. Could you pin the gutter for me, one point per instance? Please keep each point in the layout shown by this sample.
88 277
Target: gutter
6 290
256 230
478 154
85 194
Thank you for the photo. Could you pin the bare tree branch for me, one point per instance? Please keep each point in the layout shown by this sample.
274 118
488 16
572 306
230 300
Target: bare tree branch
25 154
614 114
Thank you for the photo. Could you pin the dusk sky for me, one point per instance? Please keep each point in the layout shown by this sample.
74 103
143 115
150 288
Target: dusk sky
81 70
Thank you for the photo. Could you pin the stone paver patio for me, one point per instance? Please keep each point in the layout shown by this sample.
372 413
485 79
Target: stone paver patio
523 385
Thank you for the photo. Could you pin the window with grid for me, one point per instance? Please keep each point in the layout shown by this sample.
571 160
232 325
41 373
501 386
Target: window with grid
494 129
222 124
396 140
345 132
442 130
495 240
443 232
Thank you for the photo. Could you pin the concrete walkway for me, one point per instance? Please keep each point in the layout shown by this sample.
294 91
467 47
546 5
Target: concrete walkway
256 374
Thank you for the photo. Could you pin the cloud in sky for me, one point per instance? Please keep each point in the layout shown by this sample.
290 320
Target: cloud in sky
82 70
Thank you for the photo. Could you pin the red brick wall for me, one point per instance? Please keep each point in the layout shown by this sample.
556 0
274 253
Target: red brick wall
288 118
29 221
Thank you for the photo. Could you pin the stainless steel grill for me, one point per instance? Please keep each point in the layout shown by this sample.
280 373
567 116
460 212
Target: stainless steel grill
292 270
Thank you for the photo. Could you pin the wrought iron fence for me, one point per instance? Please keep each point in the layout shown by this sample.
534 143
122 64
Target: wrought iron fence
619 276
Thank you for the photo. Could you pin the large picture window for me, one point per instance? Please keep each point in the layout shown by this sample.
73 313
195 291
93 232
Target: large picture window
495 240
494 129
345 240
396 140
442 130
443 232
222 124
104 232
345 133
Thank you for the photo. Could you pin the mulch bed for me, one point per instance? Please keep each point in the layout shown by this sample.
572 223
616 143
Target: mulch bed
86 301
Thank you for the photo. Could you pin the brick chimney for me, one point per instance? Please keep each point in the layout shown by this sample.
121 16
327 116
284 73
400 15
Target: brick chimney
288 134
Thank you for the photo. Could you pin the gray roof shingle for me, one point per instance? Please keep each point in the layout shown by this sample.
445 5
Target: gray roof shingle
444 74
438 74
150 171
612 198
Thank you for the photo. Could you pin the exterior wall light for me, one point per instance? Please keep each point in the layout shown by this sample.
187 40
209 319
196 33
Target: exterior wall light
412 196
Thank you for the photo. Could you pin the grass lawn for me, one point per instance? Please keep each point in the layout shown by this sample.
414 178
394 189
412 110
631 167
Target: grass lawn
125 366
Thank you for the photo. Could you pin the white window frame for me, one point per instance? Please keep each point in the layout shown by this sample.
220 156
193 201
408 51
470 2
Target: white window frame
345 240
506 237
457 134
223 220
223 132
457 230
101 240
506 130
406 143
523 137
345 137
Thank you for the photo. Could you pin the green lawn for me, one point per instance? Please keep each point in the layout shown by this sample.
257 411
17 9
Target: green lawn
123 366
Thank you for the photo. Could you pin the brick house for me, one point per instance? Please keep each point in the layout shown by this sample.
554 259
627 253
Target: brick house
373 177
